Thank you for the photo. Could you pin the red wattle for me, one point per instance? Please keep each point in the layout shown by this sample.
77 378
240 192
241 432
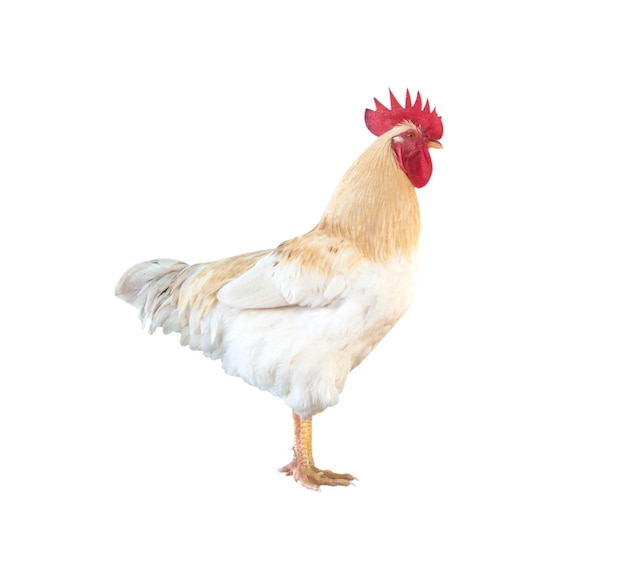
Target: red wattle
418 167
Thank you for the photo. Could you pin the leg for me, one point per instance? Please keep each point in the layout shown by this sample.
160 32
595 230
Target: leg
302 468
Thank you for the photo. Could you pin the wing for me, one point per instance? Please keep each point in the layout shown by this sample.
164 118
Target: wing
311 270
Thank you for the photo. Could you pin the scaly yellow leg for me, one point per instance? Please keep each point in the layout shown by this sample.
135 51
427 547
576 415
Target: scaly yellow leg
302 468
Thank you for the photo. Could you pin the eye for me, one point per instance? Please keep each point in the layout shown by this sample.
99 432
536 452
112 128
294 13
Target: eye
410 134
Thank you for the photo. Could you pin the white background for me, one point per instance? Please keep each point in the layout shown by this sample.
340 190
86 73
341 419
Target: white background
487 430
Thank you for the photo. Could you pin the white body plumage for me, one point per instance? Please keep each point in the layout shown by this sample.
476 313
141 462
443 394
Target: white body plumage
304 354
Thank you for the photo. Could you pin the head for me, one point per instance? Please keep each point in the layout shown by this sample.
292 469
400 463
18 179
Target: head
423 129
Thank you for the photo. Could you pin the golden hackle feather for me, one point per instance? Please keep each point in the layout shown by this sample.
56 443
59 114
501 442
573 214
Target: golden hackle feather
375 205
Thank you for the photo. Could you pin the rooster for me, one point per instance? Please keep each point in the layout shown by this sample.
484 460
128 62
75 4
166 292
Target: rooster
297 319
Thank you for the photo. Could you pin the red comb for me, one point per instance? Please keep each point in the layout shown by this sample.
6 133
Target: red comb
381 120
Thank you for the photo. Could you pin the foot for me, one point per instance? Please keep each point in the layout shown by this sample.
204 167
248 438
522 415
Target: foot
311 477
303 468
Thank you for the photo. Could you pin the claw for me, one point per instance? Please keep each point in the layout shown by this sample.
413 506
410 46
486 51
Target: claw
312 478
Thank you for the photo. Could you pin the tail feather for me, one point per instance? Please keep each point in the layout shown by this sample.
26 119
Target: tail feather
146 286
177 297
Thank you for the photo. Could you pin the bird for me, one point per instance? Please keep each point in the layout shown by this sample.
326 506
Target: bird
295 320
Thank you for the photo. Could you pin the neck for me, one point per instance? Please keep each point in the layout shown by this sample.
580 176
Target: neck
375 205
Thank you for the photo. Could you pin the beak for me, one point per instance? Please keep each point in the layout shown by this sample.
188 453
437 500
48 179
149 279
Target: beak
434 145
